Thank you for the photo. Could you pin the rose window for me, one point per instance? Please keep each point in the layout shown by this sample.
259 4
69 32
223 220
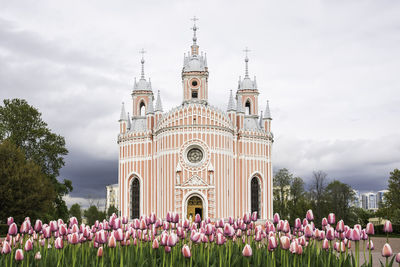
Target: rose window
195 155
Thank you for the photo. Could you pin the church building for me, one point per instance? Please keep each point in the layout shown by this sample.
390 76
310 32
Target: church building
195 158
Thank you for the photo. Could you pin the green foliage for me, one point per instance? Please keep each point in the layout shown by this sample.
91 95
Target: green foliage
391 208
362 215
24 189
112 209
22 124
339 196
75 211
298 203
282 181
92 214
318 196
3 229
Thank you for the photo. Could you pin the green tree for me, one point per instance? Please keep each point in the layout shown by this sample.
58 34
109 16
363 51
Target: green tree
75 211
24 188
391 206
298 203
339 197
22 125
282 180
112 209
92 214
317 195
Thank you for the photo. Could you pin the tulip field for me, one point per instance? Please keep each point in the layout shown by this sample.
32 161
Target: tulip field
152 241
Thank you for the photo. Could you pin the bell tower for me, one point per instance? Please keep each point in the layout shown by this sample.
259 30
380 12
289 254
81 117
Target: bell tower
195 73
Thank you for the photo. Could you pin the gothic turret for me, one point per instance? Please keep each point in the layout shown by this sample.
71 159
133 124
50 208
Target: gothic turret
195 73
267 118
123 120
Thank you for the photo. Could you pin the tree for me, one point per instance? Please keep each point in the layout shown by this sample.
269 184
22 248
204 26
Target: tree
298 204
112 209
317 194
24 188
339 197
282 181
22 124
75 211
92 214
392 197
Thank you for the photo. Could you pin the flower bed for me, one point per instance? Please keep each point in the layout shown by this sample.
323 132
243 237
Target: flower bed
151 241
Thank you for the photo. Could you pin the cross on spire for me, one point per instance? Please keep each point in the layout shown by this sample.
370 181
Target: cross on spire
246 50
142 51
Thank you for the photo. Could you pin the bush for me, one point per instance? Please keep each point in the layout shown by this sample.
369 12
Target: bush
3 229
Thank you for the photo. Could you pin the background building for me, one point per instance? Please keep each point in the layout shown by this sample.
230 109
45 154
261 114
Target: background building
195 158
112 196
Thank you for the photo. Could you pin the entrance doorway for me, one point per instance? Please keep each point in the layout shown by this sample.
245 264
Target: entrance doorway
194 206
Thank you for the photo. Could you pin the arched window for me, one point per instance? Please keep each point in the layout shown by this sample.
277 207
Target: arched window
248 107
255 196
135 198
194 94
142 108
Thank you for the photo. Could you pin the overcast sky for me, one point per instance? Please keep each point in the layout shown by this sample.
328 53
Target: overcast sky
329 68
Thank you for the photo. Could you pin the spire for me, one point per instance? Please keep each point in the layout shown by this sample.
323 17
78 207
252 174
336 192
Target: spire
123 116
246 60
267 114
142 61
158 102
195 47
239 107
260 120
150 108
231 103
129 122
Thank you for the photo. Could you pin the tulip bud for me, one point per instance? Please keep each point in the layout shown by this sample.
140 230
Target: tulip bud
340 226
276 218
272 244
310 215
59 243
285 242
370 245
19 255
297 223
325 244
387 228
197 218
6 248
167 249
398 257
247 252
100 252
186 251
10 220
254 216
331 218
370 229
324 222
38 256
308 231
28 245
387 251
12 229
112 243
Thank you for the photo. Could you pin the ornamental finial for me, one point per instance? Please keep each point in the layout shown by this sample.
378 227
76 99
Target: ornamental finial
142 61
246 50
194 28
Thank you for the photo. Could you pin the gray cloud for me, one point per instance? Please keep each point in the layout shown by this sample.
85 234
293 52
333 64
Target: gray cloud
329 69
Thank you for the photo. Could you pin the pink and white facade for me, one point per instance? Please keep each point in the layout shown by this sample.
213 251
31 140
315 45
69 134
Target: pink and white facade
195 151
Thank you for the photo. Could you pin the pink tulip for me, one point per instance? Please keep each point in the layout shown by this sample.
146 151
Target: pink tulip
118 234
370 229
331 218
197 218
340 226
286 227
370 245
167 249
324 222
297 223
285 242
59 243
12 229
310 216
325 244
186 251
38 256
276 218
387 228
387 251
194 236
220 240
247 252
72 221
100 252
293 247
254 216
38 225
25 226
355 235
155 244
19 255
398 257
308 231
10 220
53 226
342 247
74 238
299 249
6 248
172 240
28 245
112 243
272 244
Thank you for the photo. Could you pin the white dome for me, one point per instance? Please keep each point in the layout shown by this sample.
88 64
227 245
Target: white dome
194 64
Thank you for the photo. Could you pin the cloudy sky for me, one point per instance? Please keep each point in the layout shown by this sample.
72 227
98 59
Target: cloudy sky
330 69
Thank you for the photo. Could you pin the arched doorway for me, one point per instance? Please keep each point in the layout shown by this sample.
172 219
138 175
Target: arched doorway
135 198
255 196
194 206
